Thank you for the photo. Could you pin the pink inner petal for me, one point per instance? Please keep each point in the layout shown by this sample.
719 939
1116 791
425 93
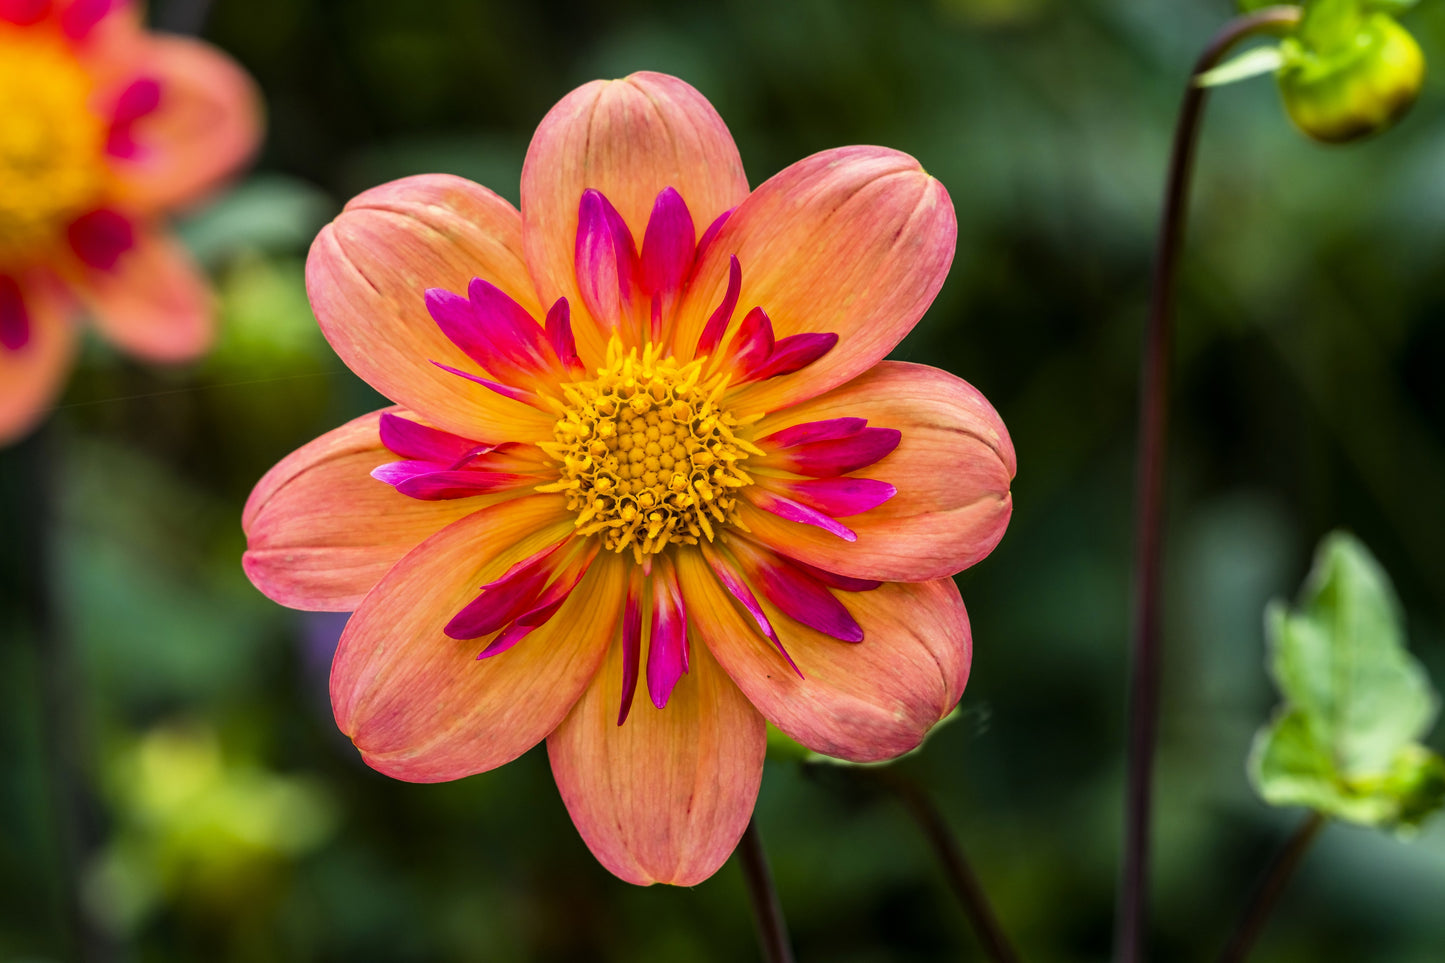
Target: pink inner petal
737 586
667 246
823 459
806 599
101 237
396 472
796 352
753 344
490 327
504 599
840 497
441 485
14 318
667 649
412 440
559 335
631 647
544 607
794 512
606 261
515 330
722 316
811 431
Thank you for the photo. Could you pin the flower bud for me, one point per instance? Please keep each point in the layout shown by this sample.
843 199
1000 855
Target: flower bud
1356 88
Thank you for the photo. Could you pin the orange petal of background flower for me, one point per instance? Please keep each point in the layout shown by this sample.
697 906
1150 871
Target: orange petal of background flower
629 139
321 531
863 701
155 303
32 377
419 705
207 125
952 470
665 797
854 241
367 277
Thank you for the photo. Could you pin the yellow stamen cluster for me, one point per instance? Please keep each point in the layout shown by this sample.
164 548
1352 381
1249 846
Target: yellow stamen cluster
52 165
647 457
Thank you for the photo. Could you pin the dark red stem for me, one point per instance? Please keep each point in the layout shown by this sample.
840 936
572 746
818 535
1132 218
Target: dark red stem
763 896
1149 522
1276 878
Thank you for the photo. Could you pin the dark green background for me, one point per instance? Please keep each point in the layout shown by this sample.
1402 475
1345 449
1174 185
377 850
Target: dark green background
1309 397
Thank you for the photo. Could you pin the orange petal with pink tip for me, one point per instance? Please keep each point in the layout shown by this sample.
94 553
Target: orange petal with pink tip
320 531
665 797
207 124
629 139
854 241
155 302
32 375
420 705
367 278
863 701
952 468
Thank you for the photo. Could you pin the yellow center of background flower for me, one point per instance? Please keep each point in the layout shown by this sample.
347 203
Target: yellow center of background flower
647 457
52 167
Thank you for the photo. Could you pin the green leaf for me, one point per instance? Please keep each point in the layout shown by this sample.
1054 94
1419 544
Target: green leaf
1251 63
1346 741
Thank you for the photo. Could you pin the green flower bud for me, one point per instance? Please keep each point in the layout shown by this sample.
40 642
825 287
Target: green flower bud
1354 88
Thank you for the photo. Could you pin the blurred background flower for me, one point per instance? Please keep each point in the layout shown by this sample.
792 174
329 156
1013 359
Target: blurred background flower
1308 398
104 128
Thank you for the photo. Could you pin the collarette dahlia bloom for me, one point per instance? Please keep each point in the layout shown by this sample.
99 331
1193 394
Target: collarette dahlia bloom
648 481
103 128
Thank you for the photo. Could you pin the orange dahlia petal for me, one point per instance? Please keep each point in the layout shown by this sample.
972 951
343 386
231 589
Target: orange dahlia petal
629 139
420 705
863 701
321 531
952 469
367 278
664 797
854 242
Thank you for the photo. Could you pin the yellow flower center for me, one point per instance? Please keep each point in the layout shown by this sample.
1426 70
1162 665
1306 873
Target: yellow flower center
647 456
52 166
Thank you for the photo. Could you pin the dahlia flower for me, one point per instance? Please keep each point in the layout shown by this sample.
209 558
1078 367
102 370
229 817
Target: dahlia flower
103 128
648 481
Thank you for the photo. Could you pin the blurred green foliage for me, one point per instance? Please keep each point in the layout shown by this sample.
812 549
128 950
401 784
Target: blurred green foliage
1346 741
1308 398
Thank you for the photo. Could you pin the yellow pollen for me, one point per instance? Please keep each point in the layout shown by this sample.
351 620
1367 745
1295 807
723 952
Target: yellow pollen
52 164
645 455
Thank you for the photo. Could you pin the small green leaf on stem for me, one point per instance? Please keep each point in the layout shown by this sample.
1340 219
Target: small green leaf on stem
1251 63
1345 742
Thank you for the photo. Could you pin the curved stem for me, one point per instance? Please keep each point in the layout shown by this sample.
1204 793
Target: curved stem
1149 524
1276 878
763 896
961 878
